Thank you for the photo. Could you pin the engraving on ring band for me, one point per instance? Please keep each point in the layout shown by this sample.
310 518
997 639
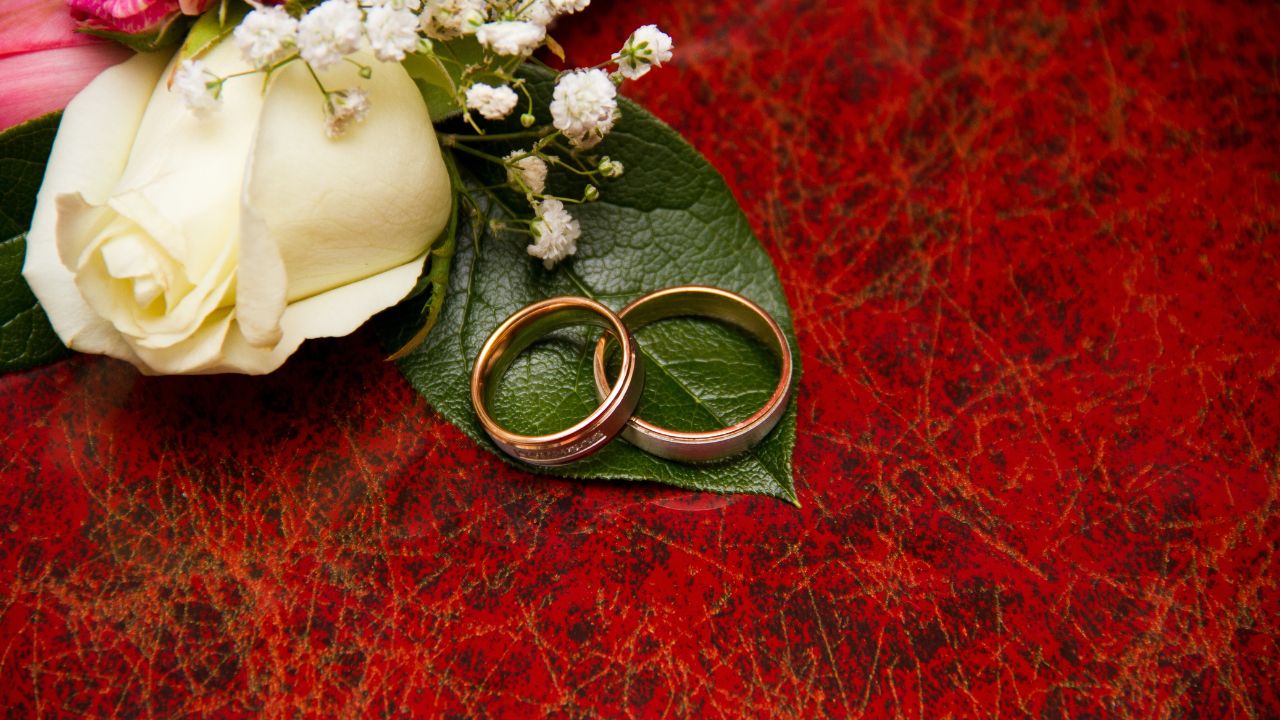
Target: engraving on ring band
525 327
566 451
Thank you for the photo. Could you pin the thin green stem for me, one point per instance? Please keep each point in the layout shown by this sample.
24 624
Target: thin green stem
316 77
571 154
575 201
479 154
575 171
456 140
363 68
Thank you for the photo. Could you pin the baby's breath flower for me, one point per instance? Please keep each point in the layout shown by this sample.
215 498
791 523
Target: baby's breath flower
494 103
511 37
555 233
266 36
647 46
537 12
192 83
584 106
331 30
527 174
391 32
564 7
343 109
411 5
448 19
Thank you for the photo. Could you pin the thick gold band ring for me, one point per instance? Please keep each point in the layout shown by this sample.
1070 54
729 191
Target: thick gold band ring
519 331
717 304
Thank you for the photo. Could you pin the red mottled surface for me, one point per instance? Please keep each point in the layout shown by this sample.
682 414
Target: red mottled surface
1032 254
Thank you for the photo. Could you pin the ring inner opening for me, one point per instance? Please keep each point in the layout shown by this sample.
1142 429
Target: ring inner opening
548 386
701 374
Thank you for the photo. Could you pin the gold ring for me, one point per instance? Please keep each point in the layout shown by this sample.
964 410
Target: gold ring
717 304
518 332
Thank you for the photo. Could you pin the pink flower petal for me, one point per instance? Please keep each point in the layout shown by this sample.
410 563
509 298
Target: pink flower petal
27 25
111 8
40 82
123 16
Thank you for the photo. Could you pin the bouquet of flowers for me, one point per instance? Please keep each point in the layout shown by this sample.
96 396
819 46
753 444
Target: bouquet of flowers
256 175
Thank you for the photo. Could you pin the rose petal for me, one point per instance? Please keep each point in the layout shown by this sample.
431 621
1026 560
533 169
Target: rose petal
260 302
202 353
220 347
346 208
88 156
332 314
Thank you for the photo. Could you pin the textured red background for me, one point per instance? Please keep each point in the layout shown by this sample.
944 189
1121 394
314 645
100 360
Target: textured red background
1032 257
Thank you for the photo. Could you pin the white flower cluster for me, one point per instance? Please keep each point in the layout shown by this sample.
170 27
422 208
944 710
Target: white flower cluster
344 108
507 27
197 87
390 29
494 103
266 36
526 172
555 233
583 108
449 19
647 47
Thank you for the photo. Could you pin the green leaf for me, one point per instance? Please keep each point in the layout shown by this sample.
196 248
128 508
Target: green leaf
439 73
435 278
211 27
670 220
435 84
26 339
165 35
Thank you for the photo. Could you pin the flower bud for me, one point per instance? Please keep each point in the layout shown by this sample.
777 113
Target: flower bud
610 168
527 120
591 193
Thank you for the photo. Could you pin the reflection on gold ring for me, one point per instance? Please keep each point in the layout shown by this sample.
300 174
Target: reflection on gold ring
718 304
519 331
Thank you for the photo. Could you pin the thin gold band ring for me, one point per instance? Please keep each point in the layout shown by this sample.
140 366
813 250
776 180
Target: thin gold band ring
717 304
519 331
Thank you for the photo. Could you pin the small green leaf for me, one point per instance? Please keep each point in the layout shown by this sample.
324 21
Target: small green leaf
162 37
439 73
26 339
434 280
670 220
211 27
24 151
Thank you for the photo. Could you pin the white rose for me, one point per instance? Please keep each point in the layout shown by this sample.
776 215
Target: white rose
210 244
